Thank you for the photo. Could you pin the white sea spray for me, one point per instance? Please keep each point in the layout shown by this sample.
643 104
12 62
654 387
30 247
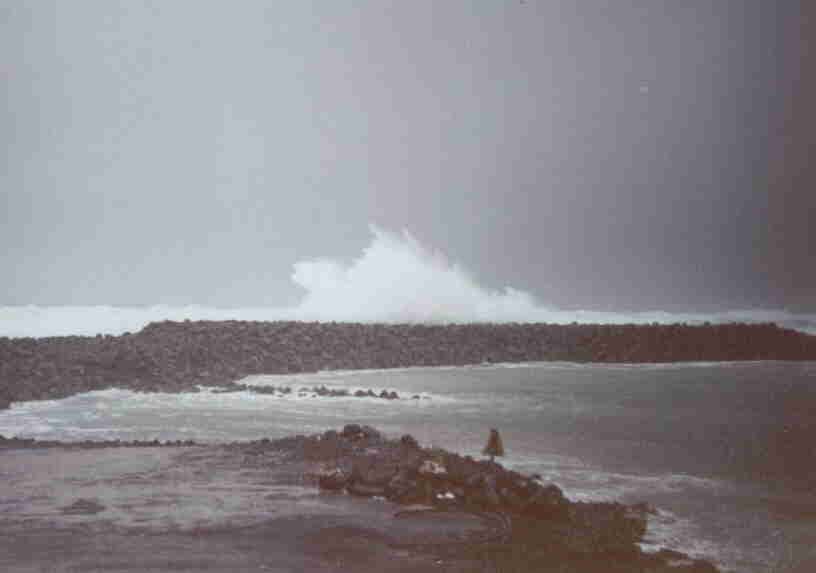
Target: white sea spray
395 279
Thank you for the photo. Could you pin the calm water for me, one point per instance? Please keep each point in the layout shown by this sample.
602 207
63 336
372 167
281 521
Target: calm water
724 451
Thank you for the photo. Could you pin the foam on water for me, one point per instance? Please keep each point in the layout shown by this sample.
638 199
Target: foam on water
584 482
303 386
124 414
665 530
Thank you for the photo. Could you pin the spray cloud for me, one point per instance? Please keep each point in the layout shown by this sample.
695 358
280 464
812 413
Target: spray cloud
395 279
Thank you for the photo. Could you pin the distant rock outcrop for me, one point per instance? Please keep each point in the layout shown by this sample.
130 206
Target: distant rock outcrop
83 507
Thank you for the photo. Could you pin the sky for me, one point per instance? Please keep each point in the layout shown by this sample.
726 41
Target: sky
635 155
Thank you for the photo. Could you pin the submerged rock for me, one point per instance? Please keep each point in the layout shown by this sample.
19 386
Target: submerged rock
366 490
83 507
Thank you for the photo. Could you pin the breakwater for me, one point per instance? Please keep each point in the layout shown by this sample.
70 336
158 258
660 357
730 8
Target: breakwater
179 356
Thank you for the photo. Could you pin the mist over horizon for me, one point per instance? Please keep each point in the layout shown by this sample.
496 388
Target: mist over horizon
573 159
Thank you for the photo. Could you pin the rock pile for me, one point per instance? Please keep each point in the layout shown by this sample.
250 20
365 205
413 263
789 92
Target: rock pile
539 521
315 391
30 443
403 472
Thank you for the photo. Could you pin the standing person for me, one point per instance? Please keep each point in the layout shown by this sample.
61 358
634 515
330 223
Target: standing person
494 446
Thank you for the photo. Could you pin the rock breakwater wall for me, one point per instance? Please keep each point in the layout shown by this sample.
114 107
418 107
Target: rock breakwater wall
178 356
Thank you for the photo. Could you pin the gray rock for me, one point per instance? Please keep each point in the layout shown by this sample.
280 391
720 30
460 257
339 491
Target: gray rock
400 487
370 433
547 502
83 507
351 430
379 474
333 480
489 494
409 441
365 490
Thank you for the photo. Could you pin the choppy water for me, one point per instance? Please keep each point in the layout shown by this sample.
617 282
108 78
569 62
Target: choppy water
722 450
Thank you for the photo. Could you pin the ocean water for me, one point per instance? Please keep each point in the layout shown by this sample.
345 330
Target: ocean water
724 452
410 306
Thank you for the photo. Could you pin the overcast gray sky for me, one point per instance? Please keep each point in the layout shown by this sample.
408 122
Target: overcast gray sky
617 155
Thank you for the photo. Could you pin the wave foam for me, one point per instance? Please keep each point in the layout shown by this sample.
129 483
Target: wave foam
665 530
395 279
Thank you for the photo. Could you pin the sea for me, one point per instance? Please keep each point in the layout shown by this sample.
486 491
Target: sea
724 453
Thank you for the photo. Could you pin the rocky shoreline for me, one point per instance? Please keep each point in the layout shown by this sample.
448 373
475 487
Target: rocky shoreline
527 525
179 356
15 443
538 527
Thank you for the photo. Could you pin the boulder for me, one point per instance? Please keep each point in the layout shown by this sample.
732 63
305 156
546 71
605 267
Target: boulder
546 502
333 479
510 499
489 495
462 471
409 441
370 433
431 467
83 507
365 490
403 489
351 431
270 390
604 527
379 474
475 480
